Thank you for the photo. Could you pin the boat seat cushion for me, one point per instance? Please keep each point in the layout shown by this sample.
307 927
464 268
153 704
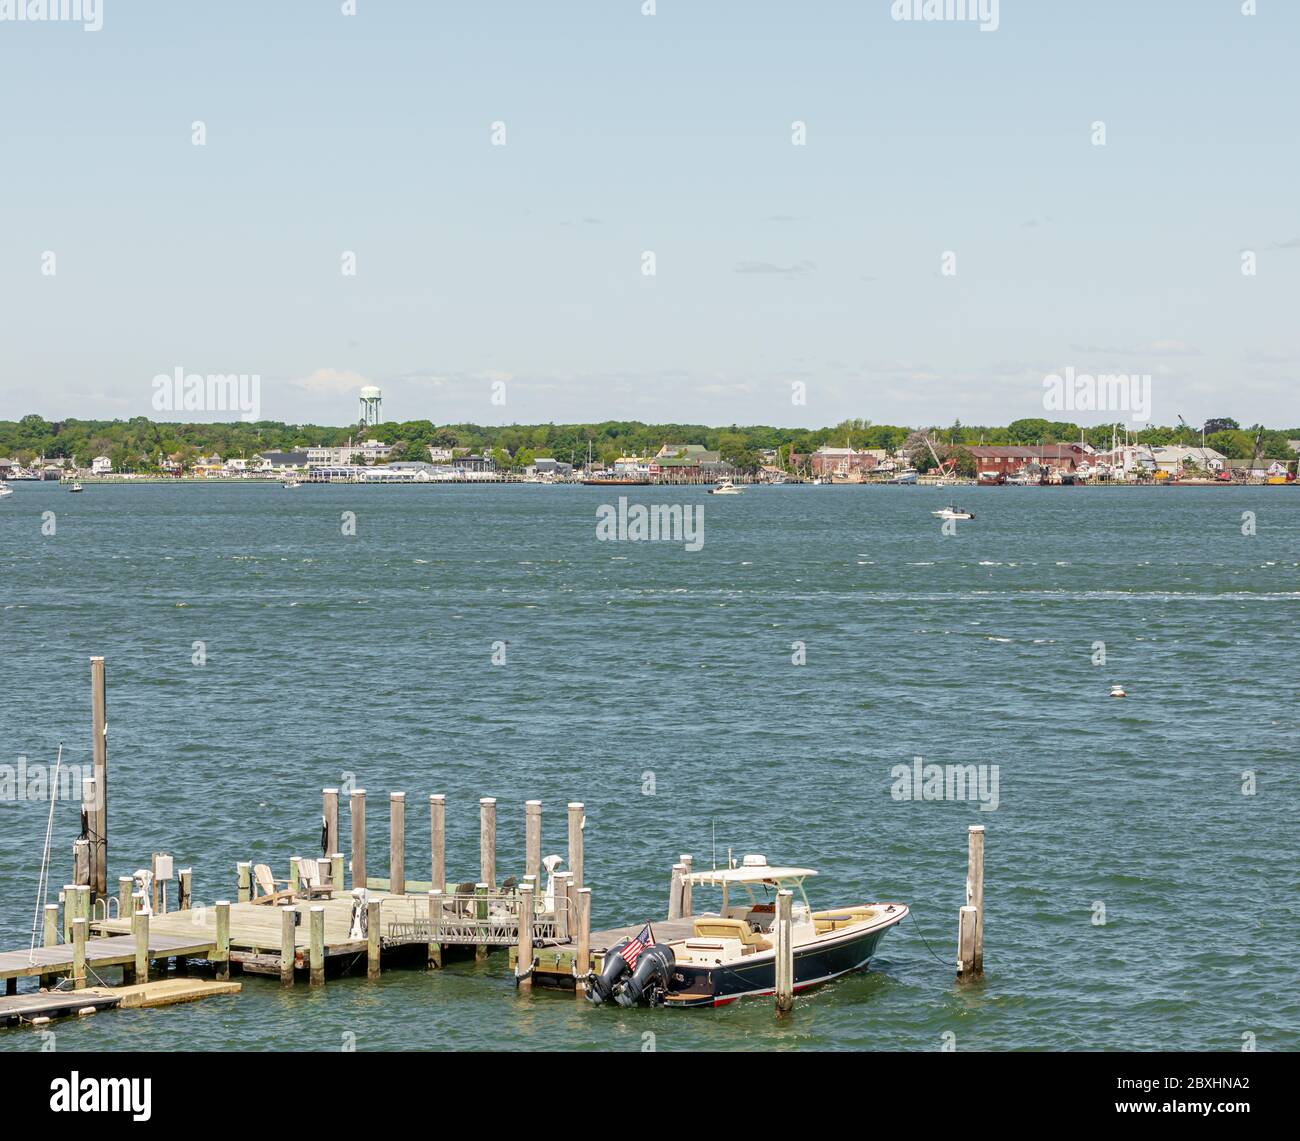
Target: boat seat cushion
712 927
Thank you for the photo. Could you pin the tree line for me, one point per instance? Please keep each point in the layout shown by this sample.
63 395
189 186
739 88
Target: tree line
140 444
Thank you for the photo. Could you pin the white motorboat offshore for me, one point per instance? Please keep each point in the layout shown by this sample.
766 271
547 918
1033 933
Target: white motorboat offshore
726 487
953 513
5 489
76 486
292 482
731 953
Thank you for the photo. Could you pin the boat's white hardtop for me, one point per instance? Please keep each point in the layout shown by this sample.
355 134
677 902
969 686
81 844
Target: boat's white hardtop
760 873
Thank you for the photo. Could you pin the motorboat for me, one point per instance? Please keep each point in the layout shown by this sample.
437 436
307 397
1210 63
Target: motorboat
953 513
726 487
76 486
292 482
5 489
731 953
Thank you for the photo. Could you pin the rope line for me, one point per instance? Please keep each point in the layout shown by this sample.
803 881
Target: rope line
912 915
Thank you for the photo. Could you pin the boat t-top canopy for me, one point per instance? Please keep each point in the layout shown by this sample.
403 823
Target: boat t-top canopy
759 873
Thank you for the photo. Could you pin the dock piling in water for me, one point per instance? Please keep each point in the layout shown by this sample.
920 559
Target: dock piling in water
438 841
487 841
221 955
330 820
533 839
975 892
675 882
524 968
582 965
244 878
784 951
372 939
358 813
99 755
967 922
140 929
79 926
316 947
577 820
287 941
397 843
686 861
435 915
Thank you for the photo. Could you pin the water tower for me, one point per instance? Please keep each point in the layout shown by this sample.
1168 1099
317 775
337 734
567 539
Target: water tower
372 405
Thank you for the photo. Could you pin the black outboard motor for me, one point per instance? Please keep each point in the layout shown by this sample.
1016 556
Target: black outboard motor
654 970
601 987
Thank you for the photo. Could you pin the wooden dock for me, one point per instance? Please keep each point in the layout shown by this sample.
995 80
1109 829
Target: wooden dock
114 951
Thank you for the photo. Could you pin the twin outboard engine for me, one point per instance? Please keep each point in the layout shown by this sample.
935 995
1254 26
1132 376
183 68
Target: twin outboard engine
600 988
654 970
645 985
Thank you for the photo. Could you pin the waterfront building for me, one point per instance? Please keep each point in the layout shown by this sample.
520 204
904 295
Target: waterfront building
101 465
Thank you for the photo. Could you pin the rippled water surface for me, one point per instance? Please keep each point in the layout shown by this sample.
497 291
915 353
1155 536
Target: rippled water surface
371 655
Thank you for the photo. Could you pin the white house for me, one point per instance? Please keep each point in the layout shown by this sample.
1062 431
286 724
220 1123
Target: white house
101 465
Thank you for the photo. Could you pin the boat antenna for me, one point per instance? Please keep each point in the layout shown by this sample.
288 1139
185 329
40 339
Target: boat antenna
42 882
715 843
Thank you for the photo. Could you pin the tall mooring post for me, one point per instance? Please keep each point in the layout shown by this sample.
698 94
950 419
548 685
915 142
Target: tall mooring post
533 839
438 841
577 821
970 927
784 951
330 821
99 756
357 810
397 843
487 841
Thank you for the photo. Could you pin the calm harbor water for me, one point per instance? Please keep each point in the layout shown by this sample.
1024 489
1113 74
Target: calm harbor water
372 655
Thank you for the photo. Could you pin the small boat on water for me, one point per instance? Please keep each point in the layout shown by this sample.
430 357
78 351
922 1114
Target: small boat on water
5 489
951 512
76 486
292 482
731 953
726 487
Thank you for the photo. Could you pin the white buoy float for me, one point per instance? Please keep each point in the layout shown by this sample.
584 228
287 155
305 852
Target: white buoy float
1117 691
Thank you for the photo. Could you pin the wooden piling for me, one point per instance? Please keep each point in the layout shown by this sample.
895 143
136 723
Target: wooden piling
244 879
69 894
487 840
438 841
533 839
330 820
397 843
51 935
563 927
85 850
316 947
675 891
99 755
435 915
576 821
79 926
288 941
358 813
125 887
481 915
784 951
975 891
686 862
582 965
967 921
184 893
221 954
295 875
336 871
140 929
372 939
524 967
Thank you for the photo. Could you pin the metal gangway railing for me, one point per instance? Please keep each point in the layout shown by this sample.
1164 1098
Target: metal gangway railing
479 918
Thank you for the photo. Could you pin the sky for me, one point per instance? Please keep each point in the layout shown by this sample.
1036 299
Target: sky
507 283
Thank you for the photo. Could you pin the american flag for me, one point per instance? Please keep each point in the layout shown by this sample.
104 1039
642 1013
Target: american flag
632 951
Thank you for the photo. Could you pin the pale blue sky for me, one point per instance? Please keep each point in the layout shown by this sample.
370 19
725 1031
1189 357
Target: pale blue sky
668 133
